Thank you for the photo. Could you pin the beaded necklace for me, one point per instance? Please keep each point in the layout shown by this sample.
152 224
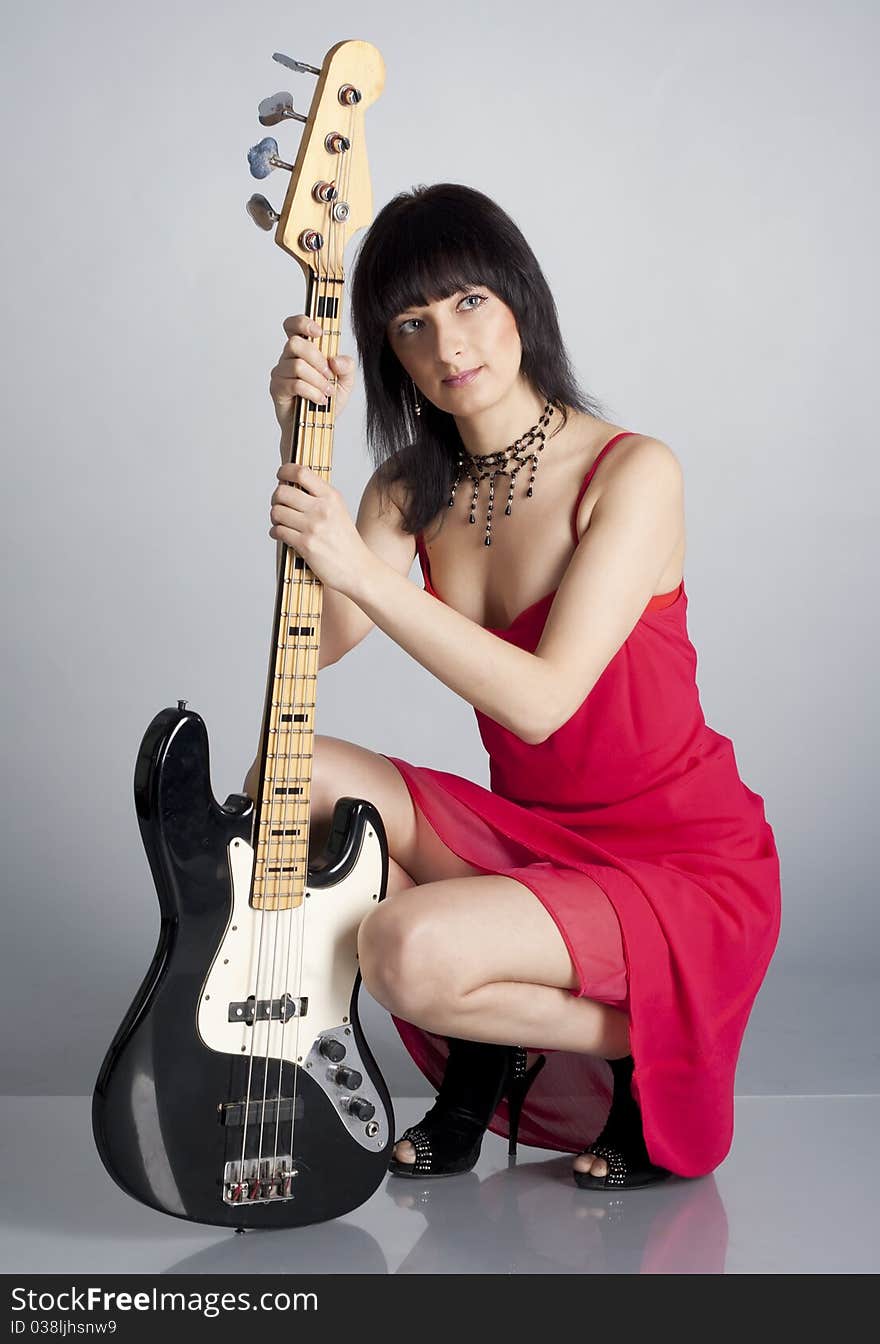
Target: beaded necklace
495 464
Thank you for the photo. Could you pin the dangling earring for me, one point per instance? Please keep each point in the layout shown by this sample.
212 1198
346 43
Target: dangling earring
417 404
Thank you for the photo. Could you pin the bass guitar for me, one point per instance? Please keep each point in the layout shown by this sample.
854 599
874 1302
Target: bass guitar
239 1090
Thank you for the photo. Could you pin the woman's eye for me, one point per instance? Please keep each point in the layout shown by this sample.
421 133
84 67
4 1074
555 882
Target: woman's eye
482 299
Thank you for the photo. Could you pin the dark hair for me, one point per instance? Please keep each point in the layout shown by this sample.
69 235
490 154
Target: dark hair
426 245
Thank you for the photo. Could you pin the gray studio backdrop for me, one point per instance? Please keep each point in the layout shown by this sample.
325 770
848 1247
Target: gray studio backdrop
697 181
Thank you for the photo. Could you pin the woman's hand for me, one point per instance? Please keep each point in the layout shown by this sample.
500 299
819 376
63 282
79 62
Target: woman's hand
303 371
310 515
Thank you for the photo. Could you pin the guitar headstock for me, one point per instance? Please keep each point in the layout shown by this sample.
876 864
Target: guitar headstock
329 196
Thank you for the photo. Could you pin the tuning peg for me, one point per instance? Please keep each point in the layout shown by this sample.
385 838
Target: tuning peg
277 108
300 66
262 212
264 157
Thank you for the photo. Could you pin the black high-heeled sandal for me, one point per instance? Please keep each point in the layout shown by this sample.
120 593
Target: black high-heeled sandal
622 1141
478 1075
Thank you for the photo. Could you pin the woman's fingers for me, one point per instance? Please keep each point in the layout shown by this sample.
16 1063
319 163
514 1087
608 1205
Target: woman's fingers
288 498
302 370
343 366
301 345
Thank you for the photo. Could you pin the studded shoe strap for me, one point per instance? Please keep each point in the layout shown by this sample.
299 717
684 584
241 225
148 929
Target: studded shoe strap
420 1140
617 1166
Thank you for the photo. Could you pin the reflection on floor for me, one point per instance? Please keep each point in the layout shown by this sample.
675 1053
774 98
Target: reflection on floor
798 1193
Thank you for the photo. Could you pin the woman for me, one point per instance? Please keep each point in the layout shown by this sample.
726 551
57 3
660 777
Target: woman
613 899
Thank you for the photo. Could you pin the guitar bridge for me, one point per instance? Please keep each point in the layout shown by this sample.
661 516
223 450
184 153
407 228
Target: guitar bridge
265 1180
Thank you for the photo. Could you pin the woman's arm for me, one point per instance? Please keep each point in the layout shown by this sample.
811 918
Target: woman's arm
634 529
379 521
343 623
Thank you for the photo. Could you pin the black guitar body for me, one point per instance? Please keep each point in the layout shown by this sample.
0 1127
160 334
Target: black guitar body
168 1112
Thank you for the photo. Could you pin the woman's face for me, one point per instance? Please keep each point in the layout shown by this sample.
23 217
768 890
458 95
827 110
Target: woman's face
473 329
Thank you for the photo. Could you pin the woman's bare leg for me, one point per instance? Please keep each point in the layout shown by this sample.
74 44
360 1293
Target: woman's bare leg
526 1006
416 852
480 958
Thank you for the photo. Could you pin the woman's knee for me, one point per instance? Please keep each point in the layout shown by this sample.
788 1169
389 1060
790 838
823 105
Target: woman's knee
341 768
398 961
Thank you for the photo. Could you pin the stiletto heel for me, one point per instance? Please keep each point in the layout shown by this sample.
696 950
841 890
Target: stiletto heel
518 1091
478 1075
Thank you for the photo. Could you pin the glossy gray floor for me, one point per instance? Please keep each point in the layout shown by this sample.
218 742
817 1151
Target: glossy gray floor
798 1193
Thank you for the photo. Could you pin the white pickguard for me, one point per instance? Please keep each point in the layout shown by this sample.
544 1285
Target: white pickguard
309 951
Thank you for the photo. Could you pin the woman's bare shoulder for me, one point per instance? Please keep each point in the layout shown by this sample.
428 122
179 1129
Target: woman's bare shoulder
637 455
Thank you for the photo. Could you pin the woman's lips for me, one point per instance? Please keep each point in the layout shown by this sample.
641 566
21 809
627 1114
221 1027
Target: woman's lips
463 378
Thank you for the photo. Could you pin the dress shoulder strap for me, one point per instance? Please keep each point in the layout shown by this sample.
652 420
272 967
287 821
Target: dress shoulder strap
624 433
424 562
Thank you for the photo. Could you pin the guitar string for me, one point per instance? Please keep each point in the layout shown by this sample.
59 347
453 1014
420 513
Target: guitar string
288 801
256 1019
322 293
297 915
268 822
335 260
267 830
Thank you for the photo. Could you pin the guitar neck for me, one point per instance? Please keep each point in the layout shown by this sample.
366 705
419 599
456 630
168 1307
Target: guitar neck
284 797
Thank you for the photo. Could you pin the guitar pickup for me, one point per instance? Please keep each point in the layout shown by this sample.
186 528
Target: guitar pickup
257 1111
281 1009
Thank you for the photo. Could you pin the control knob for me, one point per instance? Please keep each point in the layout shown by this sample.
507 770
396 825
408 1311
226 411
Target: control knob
350 1079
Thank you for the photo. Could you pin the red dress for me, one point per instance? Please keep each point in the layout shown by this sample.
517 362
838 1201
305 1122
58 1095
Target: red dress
636 791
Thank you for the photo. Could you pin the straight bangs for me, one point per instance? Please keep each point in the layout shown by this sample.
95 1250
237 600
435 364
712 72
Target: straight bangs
424 259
